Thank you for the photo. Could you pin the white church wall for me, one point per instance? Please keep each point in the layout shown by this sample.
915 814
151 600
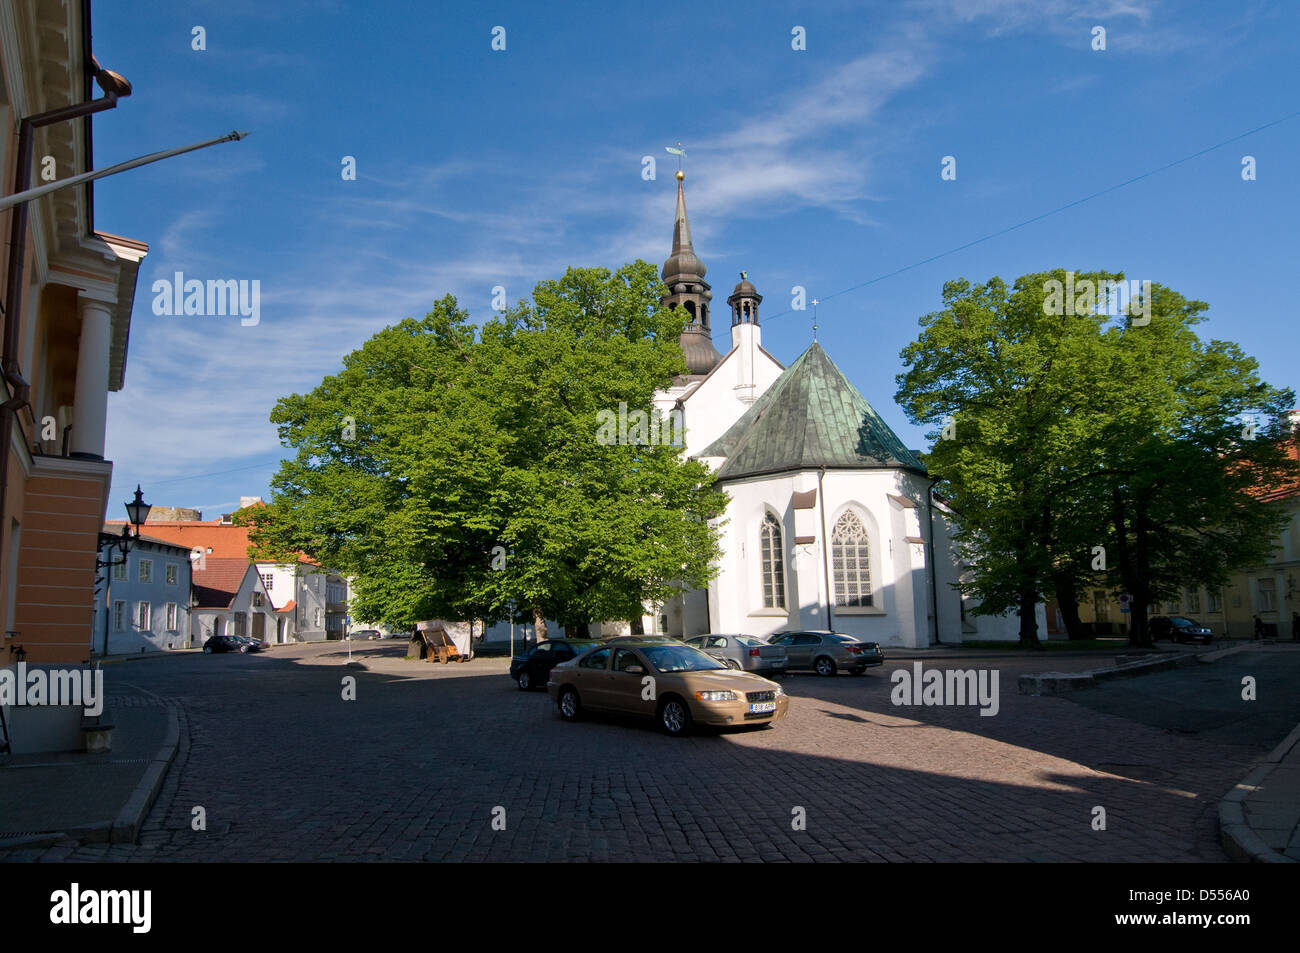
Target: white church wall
975 628
900 615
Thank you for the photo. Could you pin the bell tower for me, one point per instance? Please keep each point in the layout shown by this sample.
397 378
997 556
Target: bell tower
683 273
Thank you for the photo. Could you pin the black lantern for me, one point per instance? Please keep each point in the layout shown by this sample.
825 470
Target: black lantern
137 512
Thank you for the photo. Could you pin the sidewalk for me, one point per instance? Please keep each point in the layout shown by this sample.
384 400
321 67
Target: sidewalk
1259 819
51 797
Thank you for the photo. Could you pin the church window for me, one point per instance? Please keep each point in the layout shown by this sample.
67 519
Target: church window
851 560
773 563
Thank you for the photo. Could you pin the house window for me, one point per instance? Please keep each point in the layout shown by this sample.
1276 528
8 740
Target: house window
1100 606
1173 607
119 615
1212 602
142 615
119 570
257 600
171 617
171 574
1193 601
268 578
241 623
769 539
851 562
146 570
1266 595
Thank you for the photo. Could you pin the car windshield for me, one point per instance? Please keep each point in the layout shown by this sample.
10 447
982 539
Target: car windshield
840 637
680 658
1179 620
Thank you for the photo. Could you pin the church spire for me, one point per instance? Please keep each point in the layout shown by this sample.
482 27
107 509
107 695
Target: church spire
683 273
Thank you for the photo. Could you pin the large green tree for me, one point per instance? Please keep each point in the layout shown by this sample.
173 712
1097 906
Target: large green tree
457 474
1080 446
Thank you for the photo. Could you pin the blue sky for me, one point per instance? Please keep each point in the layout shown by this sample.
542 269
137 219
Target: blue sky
818 168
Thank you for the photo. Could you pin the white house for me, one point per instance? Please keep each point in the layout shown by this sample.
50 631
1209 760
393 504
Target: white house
230 599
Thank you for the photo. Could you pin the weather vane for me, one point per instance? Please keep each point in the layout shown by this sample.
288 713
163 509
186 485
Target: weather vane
814 320
681 154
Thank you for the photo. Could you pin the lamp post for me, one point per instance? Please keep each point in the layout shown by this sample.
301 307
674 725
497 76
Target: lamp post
137 512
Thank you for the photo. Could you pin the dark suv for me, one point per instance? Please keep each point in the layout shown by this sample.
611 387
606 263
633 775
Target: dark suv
533 670
1180 629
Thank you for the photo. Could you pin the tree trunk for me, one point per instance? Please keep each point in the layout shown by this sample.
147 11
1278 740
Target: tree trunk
637 624
1067 599
539 626
1028 622
574 630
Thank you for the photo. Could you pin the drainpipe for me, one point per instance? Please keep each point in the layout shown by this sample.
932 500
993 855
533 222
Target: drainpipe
934 563
826 569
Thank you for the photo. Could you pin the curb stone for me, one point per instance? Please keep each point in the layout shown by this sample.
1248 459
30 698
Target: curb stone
1056 683
1238 838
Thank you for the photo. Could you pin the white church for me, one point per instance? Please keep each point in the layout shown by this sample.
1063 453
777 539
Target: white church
831 523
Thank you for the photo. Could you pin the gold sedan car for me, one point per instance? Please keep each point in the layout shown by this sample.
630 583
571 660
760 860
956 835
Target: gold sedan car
664 679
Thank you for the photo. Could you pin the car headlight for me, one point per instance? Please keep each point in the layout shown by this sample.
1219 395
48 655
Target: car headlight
716 696
779 691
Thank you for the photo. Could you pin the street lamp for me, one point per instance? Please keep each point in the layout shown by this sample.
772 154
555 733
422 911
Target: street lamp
137 512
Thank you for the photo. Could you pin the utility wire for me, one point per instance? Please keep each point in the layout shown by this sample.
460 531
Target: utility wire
1055 211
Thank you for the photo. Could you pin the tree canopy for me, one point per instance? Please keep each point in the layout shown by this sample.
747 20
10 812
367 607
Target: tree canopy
456 472
1082 446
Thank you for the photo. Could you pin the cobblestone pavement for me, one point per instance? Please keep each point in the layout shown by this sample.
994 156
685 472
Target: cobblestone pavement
416 766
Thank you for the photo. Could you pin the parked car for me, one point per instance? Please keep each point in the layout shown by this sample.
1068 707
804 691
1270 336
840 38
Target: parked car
365 635
677 685
746 652
232 643
827 652
533 669
1179 628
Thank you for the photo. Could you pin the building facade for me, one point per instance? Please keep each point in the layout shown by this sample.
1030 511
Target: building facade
148 598
69 290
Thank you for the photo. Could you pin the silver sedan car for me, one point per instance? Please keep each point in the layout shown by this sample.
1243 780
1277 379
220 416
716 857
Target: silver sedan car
743 652
827 652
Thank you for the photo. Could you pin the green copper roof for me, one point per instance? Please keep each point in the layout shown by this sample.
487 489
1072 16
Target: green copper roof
811 417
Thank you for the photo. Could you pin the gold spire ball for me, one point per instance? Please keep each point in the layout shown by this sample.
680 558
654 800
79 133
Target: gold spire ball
680 175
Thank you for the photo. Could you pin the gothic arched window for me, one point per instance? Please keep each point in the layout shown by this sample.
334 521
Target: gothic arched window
769 539
851 562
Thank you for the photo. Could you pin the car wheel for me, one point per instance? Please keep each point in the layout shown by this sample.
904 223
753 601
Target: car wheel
731 663
525 680
674 716
207 650
570 704
824 666
243 650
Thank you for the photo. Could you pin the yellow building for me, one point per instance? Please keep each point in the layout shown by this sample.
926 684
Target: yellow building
68 292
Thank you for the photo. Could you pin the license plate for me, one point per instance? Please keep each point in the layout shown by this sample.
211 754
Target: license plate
762 706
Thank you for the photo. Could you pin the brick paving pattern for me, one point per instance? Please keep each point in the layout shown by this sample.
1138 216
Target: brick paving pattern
414 768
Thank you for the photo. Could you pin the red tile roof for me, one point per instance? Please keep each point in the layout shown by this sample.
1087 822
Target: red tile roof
288 606
217 581
224 539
